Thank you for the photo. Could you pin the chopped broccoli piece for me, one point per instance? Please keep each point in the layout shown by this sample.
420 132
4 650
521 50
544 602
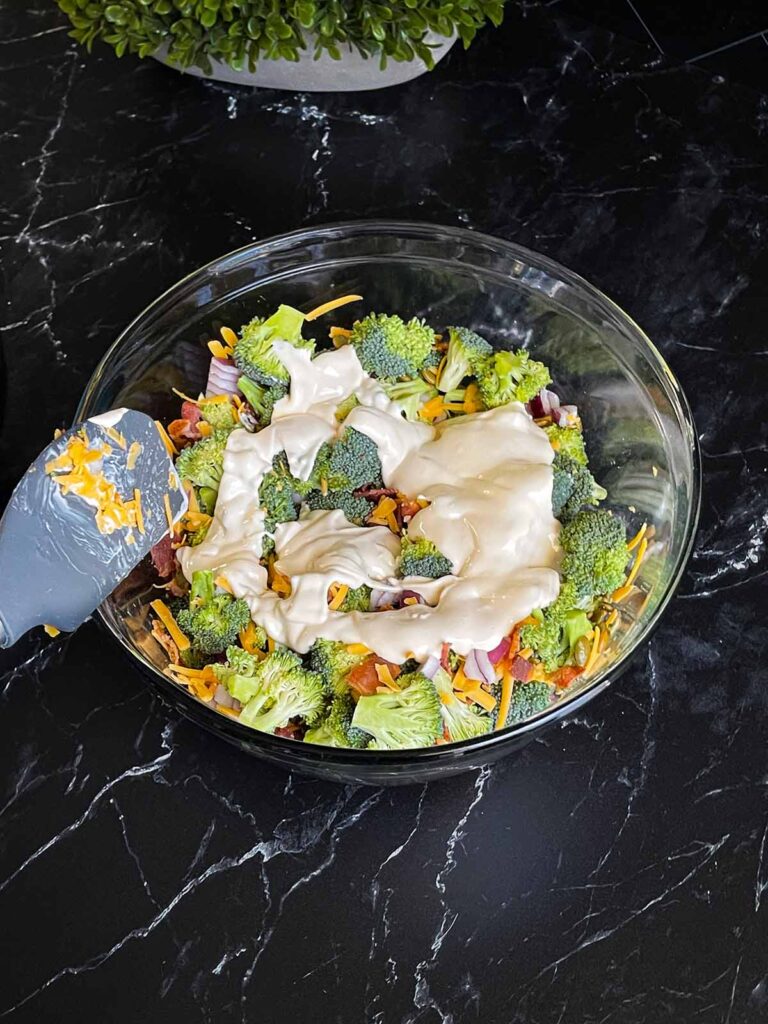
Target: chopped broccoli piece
462 721
573 486
262 400
433 360
389 348
254 354
408 717
343 409
466 352
595 546
410 395
510 377
334 662
528 699
239 675
219 415
355 507
277 493
557 629
212 620
203 464
286 690
336 730
358 599
421 558
568 441
352 462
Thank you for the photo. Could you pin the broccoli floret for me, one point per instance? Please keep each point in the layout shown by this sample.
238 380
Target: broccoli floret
408 717
213 619
358 599
422 558
389 348
336 730
277 491
568 441
573 486
462 721
528 699
352 462
286 690
410 395
334 662
595 546
557 629
254 354
262 400
218 414
510 377
354 506
466 351
343 409
239 673
433 360
203 464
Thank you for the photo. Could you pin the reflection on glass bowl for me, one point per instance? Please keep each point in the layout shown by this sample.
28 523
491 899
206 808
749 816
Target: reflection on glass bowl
638 425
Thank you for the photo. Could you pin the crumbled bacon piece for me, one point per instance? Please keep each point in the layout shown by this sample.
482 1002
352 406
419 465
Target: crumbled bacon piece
164 558
364 679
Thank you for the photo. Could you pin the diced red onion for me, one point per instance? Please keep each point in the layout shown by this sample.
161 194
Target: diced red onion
521 669
544 404
478 666
431 667
572 410
222 696
223 376
559 418
399 601
382 598
500 651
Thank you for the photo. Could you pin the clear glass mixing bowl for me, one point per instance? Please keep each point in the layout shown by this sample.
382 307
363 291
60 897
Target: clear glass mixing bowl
637 421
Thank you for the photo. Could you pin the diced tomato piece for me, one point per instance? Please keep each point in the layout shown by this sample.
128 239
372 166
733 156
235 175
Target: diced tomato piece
565 676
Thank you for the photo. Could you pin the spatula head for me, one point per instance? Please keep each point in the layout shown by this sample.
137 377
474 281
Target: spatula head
56 563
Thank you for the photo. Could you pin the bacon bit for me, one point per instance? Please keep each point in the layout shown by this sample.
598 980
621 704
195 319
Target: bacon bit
445 650
160 633
565 676
247 639
218 350
408 509
163 612
364 678
337 600
133 455
51 630
288 731
521 669
372 493
170 447
505 699
183 432
163 558
229 336
191 411
326 307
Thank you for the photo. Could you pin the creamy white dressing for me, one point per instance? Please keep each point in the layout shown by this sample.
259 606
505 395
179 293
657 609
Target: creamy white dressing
488 478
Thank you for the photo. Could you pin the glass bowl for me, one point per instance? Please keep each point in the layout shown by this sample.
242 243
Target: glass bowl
637 423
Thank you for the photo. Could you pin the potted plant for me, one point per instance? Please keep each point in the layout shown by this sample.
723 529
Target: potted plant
335 45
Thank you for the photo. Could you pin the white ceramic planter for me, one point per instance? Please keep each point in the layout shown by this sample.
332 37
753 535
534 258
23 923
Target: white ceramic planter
352 73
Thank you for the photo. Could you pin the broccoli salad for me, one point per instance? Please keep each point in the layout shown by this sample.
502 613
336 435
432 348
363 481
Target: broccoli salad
393 537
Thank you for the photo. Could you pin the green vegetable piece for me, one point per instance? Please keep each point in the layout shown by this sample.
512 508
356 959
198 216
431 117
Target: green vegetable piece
409 717
510 377
336 730
348 464
203 465
261 399
214 618
422 558
466 352
254 353
462 721
333 662
595 559
355 507
387 347
528 699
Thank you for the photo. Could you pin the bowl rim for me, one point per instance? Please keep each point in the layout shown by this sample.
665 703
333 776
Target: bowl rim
276 747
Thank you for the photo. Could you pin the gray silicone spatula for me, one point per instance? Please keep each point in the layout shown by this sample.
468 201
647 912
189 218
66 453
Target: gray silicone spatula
56 564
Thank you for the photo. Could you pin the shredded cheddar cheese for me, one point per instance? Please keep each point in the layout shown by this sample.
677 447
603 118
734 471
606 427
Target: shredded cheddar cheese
223 582
505 698
594 651
51 630
637 538
170 447
482 697
248 639
168 512
138 511
338 598
326 307
116 436
357 649
385 677
218 350
163 612
229 336
133 455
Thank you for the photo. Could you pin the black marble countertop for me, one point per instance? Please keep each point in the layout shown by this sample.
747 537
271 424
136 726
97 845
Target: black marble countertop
613 871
